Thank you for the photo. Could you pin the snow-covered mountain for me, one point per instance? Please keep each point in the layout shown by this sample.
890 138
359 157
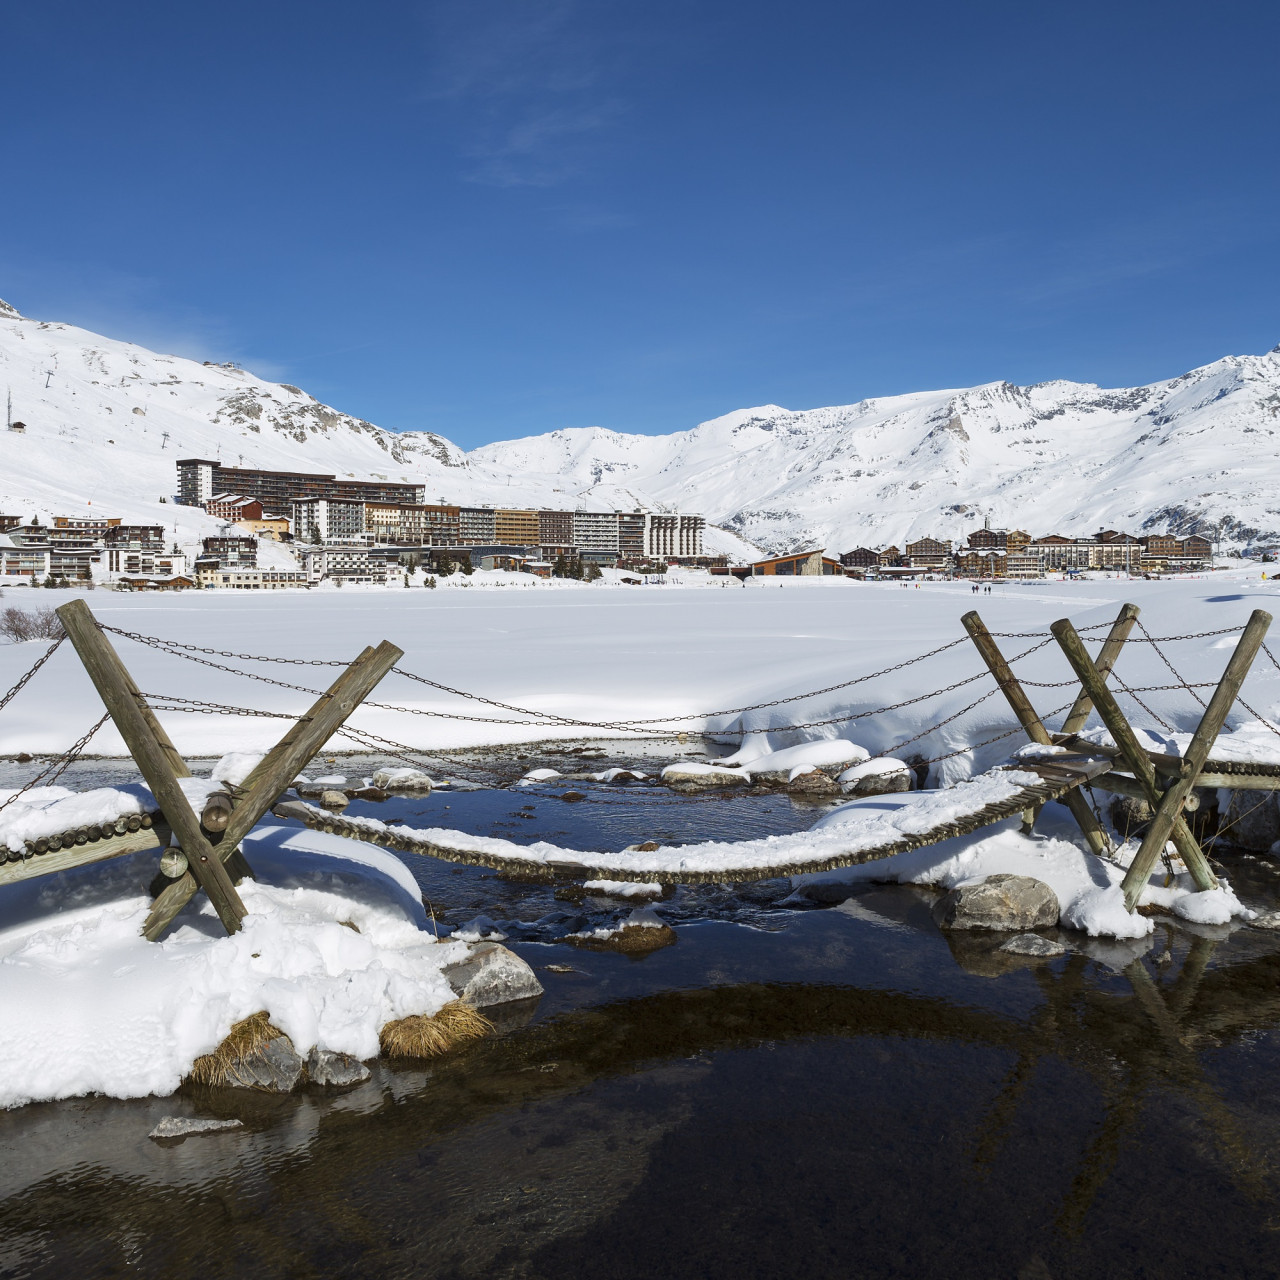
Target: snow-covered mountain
105 421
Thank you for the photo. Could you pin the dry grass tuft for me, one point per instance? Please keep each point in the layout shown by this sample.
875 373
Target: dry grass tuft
246 1037
430 1035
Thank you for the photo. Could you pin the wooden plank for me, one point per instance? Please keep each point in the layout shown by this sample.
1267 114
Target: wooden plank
1197 752
1012 689
120 696
1130 749
80 855
279 768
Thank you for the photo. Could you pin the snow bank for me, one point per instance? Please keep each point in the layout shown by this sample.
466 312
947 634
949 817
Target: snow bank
88 1006
1088 887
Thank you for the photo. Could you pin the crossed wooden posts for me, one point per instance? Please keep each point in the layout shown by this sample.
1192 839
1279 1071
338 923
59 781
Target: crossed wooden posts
1181 773
211 841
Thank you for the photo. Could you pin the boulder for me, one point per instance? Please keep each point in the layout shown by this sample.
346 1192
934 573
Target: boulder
333 799
1003 902
876 778
335 1070
1129 815
695 776
1252 820
401 780
492 974
366 793
807 780
273 1068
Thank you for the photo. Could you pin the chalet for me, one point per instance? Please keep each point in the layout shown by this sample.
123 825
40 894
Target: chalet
804 564
986 563
860 558
146 582
889 558
928 553
989 539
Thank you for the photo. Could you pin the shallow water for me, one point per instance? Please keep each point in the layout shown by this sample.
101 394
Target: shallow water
783 1092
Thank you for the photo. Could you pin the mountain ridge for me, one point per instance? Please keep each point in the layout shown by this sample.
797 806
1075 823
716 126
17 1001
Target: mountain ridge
106 420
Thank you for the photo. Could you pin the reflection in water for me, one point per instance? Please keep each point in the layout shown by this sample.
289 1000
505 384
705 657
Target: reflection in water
1065 1118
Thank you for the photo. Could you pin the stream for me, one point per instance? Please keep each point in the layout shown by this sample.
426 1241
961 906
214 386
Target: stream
786 1091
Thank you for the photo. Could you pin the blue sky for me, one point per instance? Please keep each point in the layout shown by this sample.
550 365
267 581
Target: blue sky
493 218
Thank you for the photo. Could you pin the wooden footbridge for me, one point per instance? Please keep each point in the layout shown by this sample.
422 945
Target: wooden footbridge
201 824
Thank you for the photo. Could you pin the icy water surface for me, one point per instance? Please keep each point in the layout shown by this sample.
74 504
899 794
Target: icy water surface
784 1092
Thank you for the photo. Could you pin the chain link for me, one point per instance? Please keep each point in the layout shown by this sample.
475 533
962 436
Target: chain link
58 765
194 706
17 688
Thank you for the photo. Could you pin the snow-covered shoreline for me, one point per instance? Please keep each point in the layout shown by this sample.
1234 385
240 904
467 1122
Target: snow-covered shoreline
336 944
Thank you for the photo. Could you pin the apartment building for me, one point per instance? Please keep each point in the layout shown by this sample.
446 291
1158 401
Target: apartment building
516 527
323 520
199 479
413 524
477 526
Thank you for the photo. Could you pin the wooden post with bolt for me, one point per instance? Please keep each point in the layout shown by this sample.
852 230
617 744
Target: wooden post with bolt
155 756
1134 757
1031 722
1169 809
280 766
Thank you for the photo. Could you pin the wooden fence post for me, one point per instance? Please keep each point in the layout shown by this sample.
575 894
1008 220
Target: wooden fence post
1170 807
1031 722
1110 651
1131 751
137 726
280 766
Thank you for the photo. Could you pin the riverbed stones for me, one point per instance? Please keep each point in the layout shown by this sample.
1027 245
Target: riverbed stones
272 1068
333 1070
492 974
1003 902
693 775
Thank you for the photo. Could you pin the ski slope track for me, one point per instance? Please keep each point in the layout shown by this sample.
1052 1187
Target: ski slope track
106 420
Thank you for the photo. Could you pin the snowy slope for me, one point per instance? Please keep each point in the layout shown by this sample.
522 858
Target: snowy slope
1196 452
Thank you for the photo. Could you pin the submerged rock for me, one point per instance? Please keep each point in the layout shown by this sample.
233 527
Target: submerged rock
1032 944
1002 901
185 1126
491 975
694 776
335 1070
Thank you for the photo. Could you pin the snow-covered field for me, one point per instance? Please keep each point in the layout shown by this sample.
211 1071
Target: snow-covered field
604 655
